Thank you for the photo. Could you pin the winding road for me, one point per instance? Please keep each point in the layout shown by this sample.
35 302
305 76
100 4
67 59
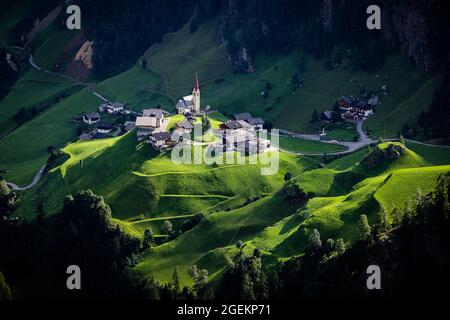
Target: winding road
36 179
351 146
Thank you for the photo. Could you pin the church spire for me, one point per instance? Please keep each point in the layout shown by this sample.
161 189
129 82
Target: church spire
196 86
196 95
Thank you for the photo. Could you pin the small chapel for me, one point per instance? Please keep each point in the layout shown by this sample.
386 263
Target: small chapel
191 103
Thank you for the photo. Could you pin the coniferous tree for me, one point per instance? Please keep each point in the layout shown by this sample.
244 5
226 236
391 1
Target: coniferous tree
364 228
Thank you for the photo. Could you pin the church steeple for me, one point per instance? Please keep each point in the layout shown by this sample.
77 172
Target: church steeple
196 95
196 86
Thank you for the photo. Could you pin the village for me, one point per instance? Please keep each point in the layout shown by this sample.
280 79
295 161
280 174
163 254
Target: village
151 126
240 133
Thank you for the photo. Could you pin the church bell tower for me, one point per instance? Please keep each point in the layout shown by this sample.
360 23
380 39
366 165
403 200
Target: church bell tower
196 95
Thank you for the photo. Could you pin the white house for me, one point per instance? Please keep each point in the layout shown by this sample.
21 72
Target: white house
111 108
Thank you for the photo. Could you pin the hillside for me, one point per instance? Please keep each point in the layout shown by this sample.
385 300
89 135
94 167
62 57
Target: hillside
145 188
140 183
281 229
183 53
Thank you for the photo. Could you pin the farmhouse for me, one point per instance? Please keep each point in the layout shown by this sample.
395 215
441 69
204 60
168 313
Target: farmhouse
158 114
231 125
160 140
145 127
354 109
86 136
111 108
104 127
185 126
91 118
242 116
129 125
256 123
190 103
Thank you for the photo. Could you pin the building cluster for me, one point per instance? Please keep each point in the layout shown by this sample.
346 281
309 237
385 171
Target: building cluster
238 134
97 126
353 109
241 134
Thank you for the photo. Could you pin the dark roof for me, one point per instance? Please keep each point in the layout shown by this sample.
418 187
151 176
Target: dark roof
99 135
347 99
185 124
92 115
104 126
162 135
232 124
255 121
242 116
157 113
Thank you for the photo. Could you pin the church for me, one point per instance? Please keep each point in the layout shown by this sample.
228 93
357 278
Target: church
191 103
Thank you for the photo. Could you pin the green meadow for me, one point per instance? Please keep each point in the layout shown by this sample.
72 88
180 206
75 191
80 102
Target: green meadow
144 188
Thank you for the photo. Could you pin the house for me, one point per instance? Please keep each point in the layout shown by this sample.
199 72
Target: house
160 140
245 125
129 125
185 125
154 113
99 135
86 136
242 116
256 123
145 127
263 144
104 127
112 108
346 102
91 118
373 101
190 103
230 125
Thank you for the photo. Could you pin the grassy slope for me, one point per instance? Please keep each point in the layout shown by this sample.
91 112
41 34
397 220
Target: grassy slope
281 230
31 89
125 173
24 151
51 45
308 146
15 11
136 88
182 53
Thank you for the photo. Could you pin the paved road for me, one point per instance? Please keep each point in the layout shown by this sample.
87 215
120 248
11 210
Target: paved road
36 179
40 173
351 146
363 141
